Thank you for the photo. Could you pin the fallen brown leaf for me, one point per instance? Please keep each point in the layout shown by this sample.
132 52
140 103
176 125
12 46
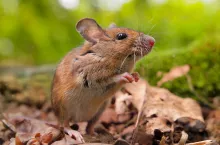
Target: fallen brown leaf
32 130
128 130
67 140
174 73
47 138
108 116
205 142
18 141
162 109
141 137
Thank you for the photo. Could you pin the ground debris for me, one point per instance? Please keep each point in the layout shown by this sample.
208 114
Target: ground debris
32 91
174 73
138 114
213 125
165 115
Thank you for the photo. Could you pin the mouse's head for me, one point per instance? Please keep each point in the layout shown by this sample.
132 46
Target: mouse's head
114 42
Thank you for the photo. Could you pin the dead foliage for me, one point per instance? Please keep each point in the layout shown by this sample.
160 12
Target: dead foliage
138 114
174 73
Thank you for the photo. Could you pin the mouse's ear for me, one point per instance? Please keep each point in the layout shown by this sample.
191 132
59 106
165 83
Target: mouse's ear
112 25
90 30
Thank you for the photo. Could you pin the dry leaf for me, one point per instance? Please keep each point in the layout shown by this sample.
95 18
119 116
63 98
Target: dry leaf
108 116
122 101
159 123
213 125
141 137
28 129
163 103
67 140
47 138
174 73
128 130
18 141
183 138
205 142
121 142
33 141
103 135
162 108
132 92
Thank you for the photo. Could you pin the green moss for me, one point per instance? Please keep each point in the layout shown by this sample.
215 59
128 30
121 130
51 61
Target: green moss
203 58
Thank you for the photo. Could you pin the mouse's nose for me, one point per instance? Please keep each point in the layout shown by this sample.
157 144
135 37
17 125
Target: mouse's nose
150 40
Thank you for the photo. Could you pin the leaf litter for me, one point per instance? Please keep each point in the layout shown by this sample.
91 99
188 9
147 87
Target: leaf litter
138 114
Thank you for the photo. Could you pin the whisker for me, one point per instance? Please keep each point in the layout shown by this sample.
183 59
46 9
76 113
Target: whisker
159 33
134 57
155 49
151 28
141 52
146 49
149 21
123 61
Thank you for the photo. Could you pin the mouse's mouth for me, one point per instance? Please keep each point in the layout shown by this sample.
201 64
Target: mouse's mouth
144 45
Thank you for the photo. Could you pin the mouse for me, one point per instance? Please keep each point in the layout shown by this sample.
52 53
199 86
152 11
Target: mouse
89 75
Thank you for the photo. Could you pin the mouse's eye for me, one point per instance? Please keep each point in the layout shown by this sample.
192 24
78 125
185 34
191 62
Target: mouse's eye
121 36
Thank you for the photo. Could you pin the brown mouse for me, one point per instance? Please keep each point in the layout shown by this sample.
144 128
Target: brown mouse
89 75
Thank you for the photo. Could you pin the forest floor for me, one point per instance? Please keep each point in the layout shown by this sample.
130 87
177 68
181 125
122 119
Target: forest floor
138 113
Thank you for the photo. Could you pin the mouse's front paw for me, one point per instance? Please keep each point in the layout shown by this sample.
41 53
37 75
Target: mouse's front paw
135 76
127 78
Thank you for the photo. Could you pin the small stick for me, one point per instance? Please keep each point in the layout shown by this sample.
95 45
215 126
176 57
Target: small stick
138 118
183 138
205 142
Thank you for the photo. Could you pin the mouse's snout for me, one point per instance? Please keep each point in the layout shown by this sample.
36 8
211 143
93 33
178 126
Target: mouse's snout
150 40
144 44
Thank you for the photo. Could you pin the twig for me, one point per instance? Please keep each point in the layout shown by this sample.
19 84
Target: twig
205 142
138 118
183 138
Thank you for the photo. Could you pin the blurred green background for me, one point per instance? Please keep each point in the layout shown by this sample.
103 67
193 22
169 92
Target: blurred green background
36 32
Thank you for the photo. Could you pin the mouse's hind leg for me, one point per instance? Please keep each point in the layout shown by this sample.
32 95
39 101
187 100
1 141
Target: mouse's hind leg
94 120
72 133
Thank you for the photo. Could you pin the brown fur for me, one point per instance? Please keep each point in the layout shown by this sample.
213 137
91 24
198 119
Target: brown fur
85 78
